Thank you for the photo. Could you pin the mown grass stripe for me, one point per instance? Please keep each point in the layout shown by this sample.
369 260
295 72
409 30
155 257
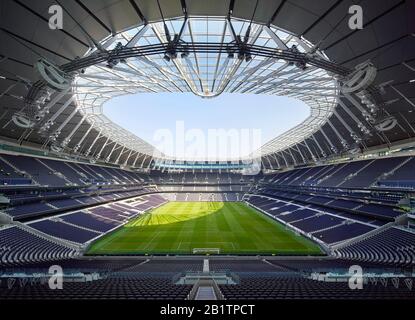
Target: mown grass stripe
178 227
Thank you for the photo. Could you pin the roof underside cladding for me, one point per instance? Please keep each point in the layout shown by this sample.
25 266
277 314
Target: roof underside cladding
387 40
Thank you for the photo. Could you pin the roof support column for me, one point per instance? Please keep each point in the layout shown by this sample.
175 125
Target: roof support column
108 158
342 141
269 162
128 158
323 153
79 144
277 40
359 123
364 112
119 156
301 154
332 146
276 160
283 157
98 155
314 156
134 40
58 131
68 138
136 159
61 109
93 144
142 163
355 137
292 156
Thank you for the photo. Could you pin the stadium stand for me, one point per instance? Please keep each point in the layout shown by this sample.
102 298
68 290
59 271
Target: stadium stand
89 221
155 287
18 246
394 246
286 220
38 171
64 231
253 287
329 215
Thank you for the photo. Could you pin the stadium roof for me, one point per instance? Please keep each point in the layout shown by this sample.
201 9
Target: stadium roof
300 48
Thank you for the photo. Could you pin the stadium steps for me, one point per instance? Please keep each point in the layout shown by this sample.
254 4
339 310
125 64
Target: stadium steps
384 175
46 236
329 228
205 293
79 171
134 266
18 170
357 239
354 174
315 175
99 233
326 177
52 206
57 173
302 219
206 289
278 267
206 265
299 176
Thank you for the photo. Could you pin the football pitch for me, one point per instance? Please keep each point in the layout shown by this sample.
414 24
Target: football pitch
182 227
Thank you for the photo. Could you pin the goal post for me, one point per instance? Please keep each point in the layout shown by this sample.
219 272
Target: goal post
206 250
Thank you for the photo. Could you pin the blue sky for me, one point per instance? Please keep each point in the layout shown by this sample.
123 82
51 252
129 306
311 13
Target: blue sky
145 114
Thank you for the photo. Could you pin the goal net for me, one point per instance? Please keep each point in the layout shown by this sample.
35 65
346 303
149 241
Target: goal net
206 250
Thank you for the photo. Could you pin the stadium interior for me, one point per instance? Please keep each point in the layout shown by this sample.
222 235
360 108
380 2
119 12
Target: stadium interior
124 221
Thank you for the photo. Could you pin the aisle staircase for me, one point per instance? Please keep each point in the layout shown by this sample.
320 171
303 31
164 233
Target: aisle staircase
205 293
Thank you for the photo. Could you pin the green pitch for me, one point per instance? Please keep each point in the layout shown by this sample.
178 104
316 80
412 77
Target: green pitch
179 227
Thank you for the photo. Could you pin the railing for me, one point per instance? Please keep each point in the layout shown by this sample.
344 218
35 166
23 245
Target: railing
399 184
193 291
218 293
